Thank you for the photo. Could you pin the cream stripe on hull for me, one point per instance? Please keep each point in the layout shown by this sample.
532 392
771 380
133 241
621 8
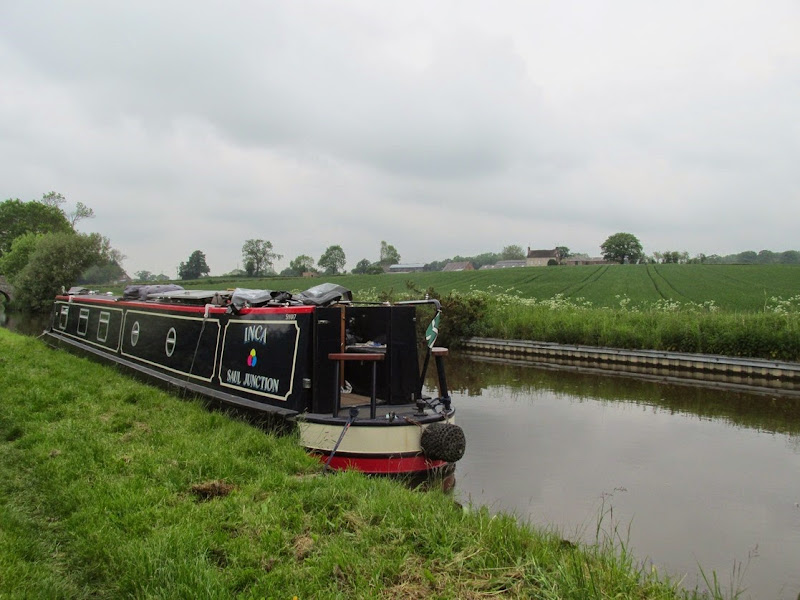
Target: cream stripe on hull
364 440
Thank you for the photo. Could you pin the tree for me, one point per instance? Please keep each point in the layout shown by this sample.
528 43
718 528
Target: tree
361 267
364 267
513 252
299 265
109 268
18 218
107 271
195 267
766 257
748 257
562 252
389 255
302 264
258 257
53 199
13 261
676 257
237 272
144 276
56 262
332 260
479 260
622 248
80 213
697 259
436 265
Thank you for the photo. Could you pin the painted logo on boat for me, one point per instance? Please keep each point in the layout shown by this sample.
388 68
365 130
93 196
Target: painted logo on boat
255 333
260 357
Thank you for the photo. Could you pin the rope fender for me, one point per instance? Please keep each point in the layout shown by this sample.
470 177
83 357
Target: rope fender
443 441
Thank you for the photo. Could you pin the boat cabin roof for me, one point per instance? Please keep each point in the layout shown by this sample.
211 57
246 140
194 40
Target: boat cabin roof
320 295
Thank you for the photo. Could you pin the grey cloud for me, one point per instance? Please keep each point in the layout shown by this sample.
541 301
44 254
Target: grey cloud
445 128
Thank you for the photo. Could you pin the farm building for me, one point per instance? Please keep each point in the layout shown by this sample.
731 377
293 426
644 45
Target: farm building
459 266
577 260
407 268
505 264
540 258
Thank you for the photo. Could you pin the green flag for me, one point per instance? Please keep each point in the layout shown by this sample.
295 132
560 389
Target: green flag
433 330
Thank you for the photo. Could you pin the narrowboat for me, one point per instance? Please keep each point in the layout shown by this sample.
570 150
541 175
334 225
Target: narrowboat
349 376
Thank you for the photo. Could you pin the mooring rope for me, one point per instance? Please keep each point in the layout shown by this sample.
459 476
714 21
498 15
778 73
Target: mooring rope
199 337
350 419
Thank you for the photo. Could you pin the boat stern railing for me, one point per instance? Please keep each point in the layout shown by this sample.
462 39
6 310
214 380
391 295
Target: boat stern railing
343 357
436 351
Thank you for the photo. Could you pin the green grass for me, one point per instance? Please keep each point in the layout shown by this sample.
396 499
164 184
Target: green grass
112 489
665 325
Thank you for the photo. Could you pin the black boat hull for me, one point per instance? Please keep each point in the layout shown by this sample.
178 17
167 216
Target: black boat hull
276 361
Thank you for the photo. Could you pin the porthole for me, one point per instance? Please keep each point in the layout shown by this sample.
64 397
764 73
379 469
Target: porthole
135 333
169 345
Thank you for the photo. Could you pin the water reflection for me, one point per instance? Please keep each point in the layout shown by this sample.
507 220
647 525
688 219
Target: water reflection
702 477
24 323
775 413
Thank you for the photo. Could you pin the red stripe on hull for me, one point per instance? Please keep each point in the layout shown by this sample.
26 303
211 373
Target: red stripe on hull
217 310
385 465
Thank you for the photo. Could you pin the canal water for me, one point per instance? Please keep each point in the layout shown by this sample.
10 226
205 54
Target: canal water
688 478
23 323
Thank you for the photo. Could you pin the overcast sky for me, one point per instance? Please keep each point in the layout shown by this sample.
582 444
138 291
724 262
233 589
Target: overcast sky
441 127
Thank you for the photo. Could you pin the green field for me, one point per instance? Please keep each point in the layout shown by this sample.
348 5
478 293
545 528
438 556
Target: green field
733 310
730 287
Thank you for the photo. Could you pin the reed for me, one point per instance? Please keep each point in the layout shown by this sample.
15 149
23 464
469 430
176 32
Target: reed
662 325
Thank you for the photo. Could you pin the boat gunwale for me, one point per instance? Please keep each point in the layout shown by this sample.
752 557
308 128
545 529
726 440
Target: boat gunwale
400 420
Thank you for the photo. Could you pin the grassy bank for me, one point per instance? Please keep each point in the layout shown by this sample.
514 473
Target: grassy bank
772 333
109 489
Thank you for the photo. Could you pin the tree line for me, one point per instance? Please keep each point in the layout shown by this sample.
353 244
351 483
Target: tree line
259 256
41 249
626 248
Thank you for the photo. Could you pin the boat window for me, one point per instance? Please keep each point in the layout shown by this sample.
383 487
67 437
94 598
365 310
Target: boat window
62 321
83 321
102 326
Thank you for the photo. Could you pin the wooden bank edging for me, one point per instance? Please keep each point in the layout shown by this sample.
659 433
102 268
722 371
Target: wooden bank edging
745 372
